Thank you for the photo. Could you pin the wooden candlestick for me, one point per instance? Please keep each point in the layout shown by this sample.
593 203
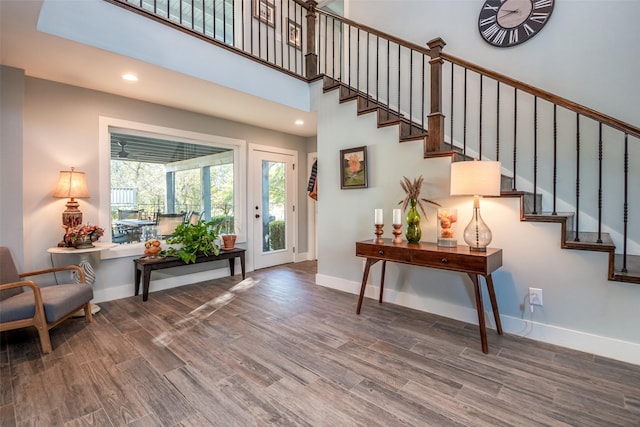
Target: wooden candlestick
378 233
397 232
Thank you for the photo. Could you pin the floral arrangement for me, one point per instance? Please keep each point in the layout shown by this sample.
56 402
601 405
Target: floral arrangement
412 190
81 235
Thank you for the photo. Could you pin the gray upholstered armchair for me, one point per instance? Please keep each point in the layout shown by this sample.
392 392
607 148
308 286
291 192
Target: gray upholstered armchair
23 303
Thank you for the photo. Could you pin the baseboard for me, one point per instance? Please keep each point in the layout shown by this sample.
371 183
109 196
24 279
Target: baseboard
127 290
302 256
624 351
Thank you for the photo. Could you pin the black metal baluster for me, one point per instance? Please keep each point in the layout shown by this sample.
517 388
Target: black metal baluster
515 139
213 14
411 122
388 77
349 59
464 115
451 108
555 158
599 183
535 156
480 123
398 107
626 204
367 69
358 61
287 35
422 100
377 69
577 234
498 122
326 37
242 23
340 52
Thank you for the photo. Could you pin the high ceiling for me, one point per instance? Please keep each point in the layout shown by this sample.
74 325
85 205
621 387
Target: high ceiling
53 58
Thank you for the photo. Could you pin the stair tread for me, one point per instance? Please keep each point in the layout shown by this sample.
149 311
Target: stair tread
632 275
589 240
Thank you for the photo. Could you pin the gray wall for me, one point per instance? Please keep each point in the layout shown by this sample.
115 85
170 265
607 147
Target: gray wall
60 131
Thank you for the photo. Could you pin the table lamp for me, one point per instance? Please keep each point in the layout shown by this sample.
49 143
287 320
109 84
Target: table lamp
71 184
476 178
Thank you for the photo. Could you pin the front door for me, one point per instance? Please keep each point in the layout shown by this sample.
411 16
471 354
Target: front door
273 208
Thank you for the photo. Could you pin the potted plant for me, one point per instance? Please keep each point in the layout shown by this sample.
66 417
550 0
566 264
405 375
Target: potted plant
195 239
228 234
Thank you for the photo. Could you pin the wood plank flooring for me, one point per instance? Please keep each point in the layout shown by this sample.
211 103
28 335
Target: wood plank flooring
279 350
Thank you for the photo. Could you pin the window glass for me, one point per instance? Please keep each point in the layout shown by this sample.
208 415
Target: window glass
152 175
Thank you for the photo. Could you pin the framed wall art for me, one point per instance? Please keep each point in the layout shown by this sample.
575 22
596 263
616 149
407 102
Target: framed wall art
265 11
353 168
295 34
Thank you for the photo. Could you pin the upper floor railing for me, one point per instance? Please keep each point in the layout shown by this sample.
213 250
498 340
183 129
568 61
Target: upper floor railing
580 159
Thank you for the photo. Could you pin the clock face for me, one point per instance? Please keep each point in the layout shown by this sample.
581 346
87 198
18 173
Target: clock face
505 23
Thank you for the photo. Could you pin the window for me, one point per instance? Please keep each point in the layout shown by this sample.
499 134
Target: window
151 173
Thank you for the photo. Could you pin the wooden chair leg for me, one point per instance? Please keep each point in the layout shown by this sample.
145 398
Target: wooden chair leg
88 317
40 322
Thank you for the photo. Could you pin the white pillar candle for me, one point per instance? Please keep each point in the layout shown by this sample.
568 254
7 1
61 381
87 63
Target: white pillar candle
397 216
378 217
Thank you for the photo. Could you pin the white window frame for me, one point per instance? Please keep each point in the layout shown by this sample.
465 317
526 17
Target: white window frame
107 125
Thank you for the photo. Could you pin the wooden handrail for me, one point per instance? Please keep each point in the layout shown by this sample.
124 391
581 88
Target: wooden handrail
542 94
378 33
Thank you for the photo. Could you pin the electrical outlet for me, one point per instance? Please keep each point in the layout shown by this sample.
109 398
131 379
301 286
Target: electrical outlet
535 296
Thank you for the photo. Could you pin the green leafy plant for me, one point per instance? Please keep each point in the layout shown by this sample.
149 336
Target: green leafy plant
195 239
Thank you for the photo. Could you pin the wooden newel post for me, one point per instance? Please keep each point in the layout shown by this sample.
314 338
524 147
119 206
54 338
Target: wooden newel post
435 119
311 57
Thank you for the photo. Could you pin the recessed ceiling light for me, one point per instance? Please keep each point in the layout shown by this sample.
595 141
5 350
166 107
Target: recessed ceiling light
299 122
130 77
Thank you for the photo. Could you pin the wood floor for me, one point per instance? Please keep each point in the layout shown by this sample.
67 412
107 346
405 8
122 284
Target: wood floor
279 350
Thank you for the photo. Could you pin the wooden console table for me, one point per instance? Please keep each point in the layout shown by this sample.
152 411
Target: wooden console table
144 266
430 255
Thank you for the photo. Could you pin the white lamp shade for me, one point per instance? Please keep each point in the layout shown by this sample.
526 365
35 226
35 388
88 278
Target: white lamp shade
475 178
71 184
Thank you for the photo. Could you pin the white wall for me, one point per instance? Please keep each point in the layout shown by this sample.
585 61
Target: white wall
581 308
587 52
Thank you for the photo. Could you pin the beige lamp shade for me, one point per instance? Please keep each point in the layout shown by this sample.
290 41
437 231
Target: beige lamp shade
71 184
476 178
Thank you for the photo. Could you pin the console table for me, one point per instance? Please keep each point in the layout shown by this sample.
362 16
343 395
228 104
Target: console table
144 266
459 259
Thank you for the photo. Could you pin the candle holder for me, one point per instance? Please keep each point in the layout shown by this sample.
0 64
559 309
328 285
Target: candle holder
397 232
378 233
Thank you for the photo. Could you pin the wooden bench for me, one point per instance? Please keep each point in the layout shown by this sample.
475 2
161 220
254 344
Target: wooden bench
144 266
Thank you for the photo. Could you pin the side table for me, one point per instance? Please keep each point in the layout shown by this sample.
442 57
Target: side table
459 259
85 263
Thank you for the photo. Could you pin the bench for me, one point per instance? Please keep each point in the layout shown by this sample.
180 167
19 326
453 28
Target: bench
144 266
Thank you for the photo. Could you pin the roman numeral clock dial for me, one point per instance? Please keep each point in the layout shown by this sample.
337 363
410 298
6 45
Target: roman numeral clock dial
505 23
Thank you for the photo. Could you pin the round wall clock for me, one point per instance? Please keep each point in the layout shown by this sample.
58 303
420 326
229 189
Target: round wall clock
505 23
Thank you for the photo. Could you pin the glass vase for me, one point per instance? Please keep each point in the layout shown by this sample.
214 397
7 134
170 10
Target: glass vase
447 219
414 233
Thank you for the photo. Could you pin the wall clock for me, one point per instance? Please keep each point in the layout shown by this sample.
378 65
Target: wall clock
505 23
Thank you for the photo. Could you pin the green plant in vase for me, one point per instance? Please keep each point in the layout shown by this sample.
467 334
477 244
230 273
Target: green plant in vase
196 239
413 201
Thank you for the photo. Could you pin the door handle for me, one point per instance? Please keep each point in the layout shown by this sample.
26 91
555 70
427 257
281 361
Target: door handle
257 215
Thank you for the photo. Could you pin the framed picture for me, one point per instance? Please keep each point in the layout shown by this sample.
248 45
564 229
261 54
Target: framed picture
265 11
353 168
295 35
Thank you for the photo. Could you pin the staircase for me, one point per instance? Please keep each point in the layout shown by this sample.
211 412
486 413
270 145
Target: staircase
457 109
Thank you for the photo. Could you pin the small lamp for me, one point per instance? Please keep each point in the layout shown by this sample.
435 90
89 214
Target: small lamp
476 178
71 184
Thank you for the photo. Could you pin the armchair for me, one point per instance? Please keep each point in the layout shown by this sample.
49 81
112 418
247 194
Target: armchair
24 303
